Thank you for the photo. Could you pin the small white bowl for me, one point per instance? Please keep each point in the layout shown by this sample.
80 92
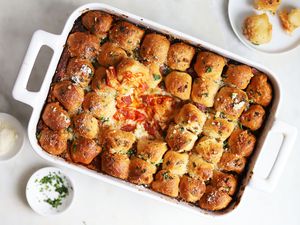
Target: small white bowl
13 123
37 193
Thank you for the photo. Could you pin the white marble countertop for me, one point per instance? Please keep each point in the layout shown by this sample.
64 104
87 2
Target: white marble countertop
97 202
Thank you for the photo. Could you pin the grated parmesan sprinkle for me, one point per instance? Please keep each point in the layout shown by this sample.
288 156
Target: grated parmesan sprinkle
238 106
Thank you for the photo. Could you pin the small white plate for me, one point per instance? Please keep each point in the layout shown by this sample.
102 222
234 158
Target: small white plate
14 124
37 192
281 42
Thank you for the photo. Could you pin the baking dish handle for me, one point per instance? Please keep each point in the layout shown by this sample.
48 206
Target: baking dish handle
39 39
289 134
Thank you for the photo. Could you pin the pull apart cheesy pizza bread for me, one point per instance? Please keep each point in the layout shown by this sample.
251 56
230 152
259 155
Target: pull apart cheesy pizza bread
153 110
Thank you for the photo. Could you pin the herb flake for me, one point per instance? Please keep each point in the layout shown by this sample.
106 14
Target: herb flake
156 77
208 70
53 182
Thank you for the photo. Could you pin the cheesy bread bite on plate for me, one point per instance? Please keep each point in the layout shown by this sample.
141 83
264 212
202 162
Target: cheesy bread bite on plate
258 29
267 5
290 20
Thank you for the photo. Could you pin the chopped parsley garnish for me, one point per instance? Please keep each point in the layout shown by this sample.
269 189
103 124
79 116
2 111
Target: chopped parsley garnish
240 125
222 115
204 94
74 147
156 76
130 152
208 69
166 176
53 182
53 202
225 143
104 119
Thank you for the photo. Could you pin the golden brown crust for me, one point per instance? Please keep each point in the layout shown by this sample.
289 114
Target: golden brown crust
155 75
92 102
86 125
154 48
290 20
126 35
110 54
231 101
54 142
180 56
209 65
253 117
259 90
83 45
190 189
132 74
224 182
241 142
258 29
164 110
204 91
151 150
179 84
232 162
100 104
99 78
209 149
69 95
80 71
268 5
84 150
116 165
97 22
191 118
55 117
175 162
238 76
180 139
214 199
140 171
217 127
166 183
198 168
118 141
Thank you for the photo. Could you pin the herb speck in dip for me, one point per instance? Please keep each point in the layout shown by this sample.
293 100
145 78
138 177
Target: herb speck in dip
53 188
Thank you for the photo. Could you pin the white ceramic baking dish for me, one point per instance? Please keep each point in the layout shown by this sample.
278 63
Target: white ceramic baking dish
37 100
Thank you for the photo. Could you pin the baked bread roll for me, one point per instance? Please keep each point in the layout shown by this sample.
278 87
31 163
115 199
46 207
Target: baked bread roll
180 56
258 29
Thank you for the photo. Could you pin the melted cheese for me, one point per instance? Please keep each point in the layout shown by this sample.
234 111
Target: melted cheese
140 131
